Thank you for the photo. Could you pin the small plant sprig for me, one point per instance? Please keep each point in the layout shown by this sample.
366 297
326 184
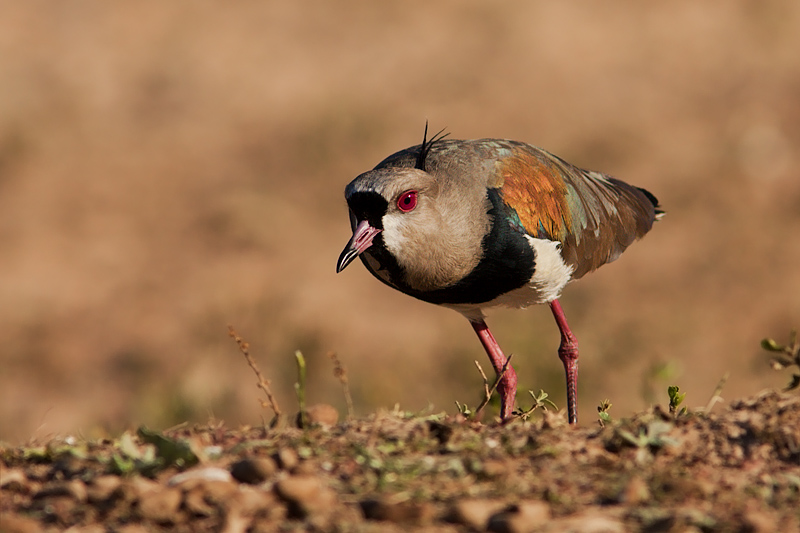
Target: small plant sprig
262 383
300 389
675 400
602 413
540 400
650 438
785 356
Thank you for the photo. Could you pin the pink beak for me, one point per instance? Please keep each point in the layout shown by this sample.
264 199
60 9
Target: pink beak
360 241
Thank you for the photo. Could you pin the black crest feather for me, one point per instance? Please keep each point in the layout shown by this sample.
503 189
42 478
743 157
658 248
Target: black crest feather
425 148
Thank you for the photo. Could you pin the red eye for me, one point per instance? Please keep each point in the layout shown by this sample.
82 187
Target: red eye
407 201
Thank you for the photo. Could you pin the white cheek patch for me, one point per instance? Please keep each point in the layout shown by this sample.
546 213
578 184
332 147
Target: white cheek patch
393 237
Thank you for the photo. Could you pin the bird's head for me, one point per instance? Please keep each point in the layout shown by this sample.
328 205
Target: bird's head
413 230
392 211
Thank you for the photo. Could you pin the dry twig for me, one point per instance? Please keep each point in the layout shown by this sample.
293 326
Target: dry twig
262 383
717 396
488 391
340 373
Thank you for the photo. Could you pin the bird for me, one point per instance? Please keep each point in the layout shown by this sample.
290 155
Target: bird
475 224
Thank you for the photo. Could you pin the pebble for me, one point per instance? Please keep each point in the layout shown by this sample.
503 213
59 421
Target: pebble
101 488
592 521
494 468
218 492
13 479
321 414
251 500
287 458
520 518
161 505
211 473
636 491
254 470
74 489
91 528
760 521
67 467
19 524
475 513
408 512
133 528
194 500
305 495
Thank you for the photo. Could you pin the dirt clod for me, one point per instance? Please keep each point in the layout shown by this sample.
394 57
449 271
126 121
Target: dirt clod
305 495
254 470
102 488
522 517
403 512
287 458
161 505
322 414
474 513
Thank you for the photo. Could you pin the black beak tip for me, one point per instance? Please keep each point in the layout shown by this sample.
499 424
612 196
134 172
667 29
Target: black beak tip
346 257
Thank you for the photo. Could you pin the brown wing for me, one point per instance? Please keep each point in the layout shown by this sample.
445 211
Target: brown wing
594 216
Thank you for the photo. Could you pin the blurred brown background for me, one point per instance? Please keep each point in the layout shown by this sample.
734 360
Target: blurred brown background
169 168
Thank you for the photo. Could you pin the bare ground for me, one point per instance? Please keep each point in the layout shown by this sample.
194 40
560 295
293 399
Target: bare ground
733 469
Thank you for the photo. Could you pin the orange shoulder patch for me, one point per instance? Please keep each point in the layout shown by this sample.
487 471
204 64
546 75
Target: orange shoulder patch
532 185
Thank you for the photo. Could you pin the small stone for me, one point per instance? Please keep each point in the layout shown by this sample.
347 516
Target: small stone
308 467
321 414
101 488
133 528
13 479
67 467
591 521
74 489
254 470
636 491
138 486
474 514
417 513
493 468
194 500
520 518
19 524
219 492
760 521
252 500
210 473
287 458
305 495
160 505
90 528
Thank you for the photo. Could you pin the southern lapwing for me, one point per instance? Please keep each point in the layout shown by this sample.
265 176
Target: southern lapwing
473 224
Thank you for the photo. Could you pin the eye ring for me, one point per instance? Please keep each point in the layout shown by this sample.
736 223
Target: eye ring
407 201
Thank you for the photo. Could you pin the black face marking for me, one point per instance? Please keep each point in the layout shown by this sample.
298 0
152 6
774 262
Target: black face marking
508 263
369 206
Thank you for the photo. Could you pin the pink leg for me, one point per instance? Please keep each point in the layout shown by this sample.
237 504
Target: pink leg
568 353
507 388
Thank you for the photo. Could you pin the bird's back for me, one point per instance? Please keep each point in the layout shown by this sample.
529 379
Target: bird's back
595 217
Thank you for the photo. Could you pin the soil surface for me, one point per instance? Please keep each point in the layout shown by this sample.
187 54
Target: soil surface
736 468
